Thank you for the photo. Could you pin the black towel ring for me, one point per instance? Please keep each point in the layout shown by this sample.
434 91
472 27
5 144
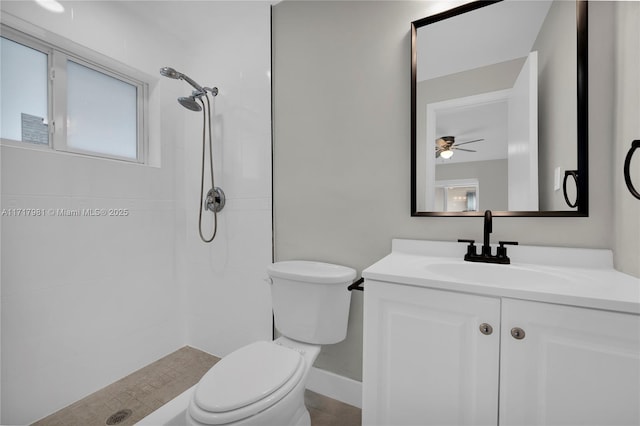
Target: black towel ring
627 164
574 174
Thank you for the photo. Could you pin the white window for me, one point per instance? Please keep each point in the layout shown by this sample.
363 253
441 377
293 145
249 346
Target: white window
24 94
52 97
102 113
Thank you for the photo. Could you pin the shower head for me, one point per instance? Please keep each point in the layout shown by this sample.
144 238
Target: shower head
189 102
171 73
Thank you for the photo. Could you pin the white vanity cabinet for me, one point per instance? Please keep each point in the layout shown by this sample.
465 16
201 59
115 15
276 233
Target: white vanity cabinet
439 357
425 360
574 366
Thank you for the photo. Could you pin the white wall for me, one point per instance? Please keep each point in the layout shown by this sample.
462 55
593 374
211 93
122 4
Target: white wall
342 145
627 129
1 382
229 303
557 101
86 301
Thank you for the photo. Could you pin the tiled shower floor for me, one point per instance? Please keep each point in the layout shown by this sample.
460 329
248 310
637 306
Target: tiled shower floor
159 382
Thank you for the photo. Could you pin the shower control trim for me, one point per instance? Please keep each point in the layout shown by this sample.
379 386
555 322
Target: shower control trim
199 101
215 200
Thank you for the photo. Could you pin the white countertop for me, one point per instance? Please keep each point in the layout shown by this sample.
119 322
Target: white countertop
570 276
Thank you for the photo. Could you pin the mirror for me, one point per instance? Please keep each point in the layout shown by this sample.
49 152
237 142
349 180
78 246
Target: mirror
499 110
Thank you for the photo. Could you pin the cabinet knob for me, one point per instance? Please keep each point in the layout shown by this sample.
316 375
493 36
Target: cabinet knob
486 329
517 333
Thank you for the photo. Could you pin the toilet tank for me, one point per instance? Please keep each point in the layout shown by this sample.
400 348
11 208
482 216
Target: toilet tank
311 300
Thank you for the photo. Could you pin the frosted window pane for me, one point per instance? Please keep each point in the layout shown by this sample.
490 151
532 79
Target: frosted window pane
23 90
101 113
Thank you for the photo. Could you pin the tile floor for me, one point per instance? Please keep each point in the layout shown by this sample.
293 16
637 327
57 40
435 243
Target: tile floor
159 382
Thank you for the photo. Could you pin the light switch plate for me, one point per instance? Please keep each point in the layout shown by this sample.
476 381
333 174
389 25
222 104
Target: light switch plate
556 179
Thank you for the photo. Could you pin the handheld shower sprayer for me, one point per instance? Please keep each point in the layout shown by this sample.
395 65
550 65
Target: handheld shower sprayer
215 196
171 73
188 102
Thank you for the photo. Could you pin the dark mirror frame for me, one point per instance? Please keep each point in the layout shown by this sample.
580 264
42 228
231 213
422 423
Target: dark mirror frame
582 178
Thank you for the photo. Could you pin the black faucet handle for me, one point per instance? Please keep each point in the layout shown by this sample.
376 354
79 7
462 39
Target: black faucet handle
502 250
471 248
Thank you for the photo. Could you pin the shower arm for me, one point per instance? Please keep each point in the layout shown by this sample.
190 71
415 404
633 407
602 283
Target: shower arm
199 89
200 93
191 82
172 73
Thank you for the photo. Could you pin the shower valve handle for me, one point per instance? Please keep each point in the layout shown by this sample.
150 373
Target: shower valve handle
215 200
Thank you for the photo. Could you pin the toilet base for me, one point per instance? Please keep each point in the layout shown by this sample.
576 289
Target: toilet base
290 410
305 419
174 413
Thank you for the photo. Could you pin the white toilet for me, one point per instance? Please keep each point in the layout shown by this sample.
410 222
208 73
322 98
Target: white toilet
263 383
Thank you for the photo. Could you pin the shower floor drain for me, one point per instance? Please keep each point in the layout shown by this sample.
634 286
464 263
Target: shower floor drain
119 417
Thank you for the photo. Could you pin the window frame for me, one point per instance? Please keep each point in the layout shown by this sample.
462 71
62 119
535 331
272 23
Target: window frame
35 44
58 54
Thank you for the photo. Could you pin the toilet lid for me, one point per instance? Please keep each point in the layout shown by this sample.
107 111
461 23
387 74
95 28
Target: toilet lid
313 272
245 376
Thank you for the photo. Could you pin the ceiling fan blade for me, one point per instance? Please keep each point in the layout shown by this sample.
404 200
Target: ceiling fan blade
463 143
463 149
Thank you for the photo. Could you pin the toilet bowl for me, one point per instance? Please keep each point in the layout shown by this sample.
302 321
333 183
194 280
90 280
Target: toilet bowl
245 386
263 383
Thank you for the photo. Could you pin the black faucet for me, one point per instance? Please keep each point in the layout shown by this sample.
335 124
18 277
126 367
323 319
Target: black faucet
488 229
485 255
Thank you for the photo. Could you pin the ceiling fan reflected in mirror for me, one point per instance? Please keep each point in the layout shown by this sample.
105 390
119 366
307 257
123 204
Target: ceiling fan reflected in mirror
445 146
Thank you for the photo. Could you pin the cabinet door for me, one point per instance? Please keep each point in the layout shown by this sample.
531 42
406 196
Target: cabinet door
574 366
425 360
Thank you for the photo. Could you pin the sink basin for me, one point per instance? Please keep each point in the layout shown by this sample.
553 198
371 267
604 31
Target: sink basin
488 273
570 276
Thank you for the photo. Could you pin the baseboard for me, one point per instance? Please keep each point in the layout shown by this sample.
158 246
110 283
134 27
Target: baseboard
334 386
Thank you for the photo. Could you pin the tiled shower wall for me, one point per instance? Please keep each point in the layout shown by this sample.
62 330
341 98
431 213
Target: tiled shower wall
228 301
87 300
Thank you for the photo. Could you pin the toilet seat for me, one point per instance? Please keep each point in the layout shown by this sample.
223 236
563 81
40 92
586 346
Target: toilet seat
245 382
